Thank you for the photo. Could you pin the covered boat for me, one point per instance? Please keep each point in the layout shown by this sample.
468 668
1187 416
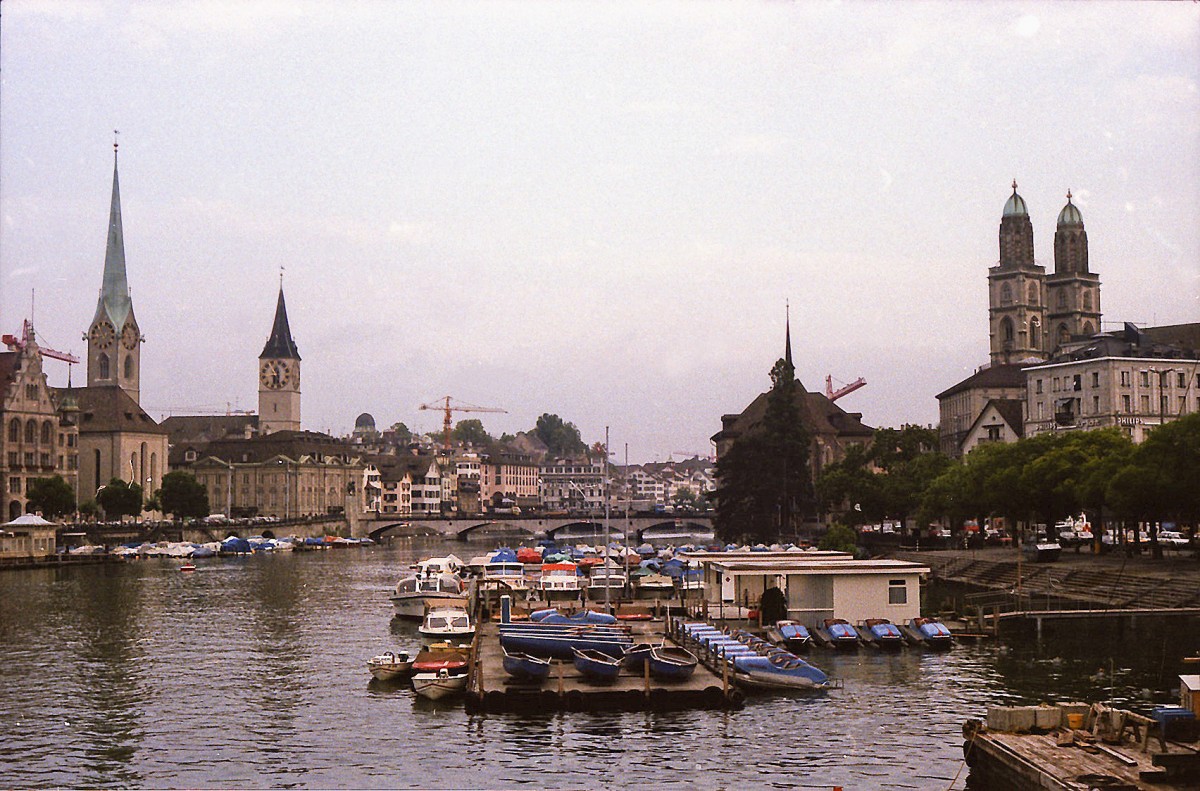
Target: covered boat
561 641
840 633
553 616
792 635
932 632
559 581
780 670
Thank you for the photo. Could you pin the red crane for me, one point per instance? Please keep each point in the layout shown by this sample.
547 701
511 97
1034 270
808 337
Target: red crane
443 405
834 395
14 343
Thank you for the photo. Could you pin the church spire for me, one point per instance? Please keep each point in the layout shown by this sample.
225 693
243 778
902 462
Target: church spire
114 303
280 345
787 343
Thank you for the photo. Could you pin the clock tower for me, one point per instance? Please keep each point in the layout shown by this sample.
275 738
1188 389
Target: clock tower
114 341
279 377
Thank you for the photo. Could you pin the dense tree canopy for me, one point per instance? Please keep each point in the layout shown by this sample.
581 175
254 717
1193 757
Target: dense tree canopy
561 438
765 484
183 496
471 432
53 497
119 499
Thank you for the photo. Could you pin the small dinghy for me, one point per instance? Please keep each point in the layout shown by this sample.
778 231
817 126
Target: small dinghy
526 667
390 666
441 684
636 656
597 665
188 567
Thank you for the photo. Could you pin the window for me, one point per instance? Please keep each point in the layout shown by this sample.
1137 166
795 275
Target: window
897 592
1087 300
1006 294
129 366
1033 294
1125 407
1095 405
48 433
1144 378
31 392
1077 382
14 485
14 430
1181 380
1145 404
1006 331
102 364
1062 298
1124 378
1095 378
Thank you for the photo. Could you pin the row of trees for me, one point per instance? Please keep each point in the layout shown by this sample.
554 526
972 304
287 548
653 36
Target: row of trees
181 495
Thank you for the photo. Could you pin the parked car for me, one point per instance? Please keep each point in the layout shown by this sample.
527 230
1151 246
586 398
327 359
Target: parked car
1172 538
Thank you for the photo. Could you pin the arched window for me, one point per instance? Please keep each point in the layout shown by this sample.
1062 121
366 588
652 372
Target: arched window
1006 294
1033 294
129 366
133 468
14 430
1062 297
47 433
31 431
142 469
1088 330
1087 301
102 364
1006 331
96 459
1035 334
14 510
153 469
1064 334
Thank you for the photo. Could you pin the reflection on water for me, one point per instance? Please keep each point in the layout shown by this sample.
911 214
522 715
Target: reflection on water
251 672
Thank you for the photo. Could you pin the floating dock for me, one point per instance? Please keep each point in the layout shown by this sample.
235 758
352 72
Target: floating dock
1077 746
490 689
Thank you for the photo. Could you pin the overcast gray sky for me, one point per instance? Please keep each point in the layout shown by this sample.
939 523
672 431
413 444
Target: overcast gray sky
591 209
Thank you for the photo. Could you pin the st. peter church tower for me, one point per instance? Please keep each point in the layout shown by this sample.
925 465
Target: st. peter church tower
279 377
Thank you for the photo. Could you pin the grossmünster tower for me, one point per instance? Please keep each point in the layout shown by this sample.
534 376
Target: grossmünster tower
279 377
1031 315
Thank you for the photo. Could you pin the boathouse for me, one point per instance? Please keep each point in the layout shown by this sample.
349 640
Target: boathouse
817 585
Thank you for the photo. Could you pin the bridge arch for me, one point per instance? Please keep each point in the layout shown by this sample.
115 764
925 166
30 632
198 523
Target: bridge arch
495 527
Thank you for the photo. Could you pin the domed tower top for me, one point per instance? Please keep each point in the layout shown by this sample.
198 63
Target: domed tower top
1016 233
1070 214
1015 206
365 421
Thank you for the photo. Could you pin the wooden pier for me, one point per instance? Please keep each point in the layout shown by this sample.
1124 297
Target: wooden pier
1037 747
490 689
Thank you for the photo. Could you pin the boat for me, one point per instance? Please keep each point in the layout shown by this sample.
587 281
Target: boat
792 635
188 567
597 665
883 633
529 555
840 633
653 586
526 666
559 581
932 632
390 665
636 656
780 670
447 623
561 642
506 573
441 656
420 592
608 579
671 663
441 684
583 617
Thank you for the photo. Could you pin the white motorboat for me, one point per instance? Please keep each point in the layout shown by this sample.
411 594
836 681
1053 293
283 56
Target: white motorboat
609 576
559 580
421 592
390 665
441 684
510 574
447 623
654 586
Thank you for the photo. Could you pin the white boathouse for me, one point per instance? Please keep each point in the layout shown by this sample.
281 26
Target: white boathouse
817 585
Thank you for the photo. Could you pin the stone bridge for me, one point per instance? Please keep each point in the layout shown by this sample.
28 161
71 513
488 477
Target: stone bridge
657 528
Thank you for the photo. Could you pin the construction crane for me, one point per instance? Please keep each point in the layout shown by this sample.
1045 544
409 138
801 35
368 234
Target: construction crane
834 395
14 343
443 405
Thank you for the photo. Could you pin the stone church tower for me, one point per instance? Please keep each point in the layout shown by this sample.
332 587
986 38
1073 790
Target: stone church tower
1016 290
279 377
1073 293
114 341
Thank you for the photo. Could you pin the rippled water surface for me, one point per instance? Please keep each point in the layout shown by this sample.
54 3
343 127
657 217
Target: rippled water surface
250 672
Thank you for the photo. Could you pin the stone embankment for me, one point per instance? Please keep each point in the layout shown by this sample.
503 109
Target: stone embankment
1100 581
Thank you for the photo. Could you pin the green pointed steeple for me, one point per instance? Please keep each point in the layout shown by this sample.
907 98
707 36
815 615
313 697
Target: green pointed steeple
114 303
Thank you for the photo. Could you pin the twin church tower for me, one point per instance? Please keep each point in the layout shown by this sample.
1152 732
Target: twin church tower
114 340
1032 314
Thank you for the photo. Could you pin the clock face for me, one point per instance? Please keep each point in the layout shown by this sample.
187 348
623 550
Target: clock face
103 335
274 374
129 336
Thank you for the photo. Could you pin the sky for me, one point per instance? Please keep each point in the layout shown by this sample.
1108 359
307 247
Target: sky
597 210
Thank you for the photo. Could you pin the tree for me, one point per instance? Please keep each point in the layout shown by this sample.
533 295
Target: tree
471 432
765 483
183 496
560 438
89 508
119 499
402 432
850 490
54 497
839 538
685 498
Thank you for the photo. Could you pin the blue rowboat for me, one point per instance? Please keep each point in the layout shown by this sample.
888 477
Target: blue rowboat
578 619
637 656
563 646
670 663
525 666
597 665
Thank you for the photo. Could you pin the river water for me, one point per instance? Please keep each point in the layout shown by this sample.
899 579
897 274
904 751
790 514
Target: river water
250 672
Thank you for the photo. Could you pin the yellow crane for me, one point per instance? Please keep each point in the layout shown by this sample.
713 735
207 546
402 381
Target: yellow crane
443 405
